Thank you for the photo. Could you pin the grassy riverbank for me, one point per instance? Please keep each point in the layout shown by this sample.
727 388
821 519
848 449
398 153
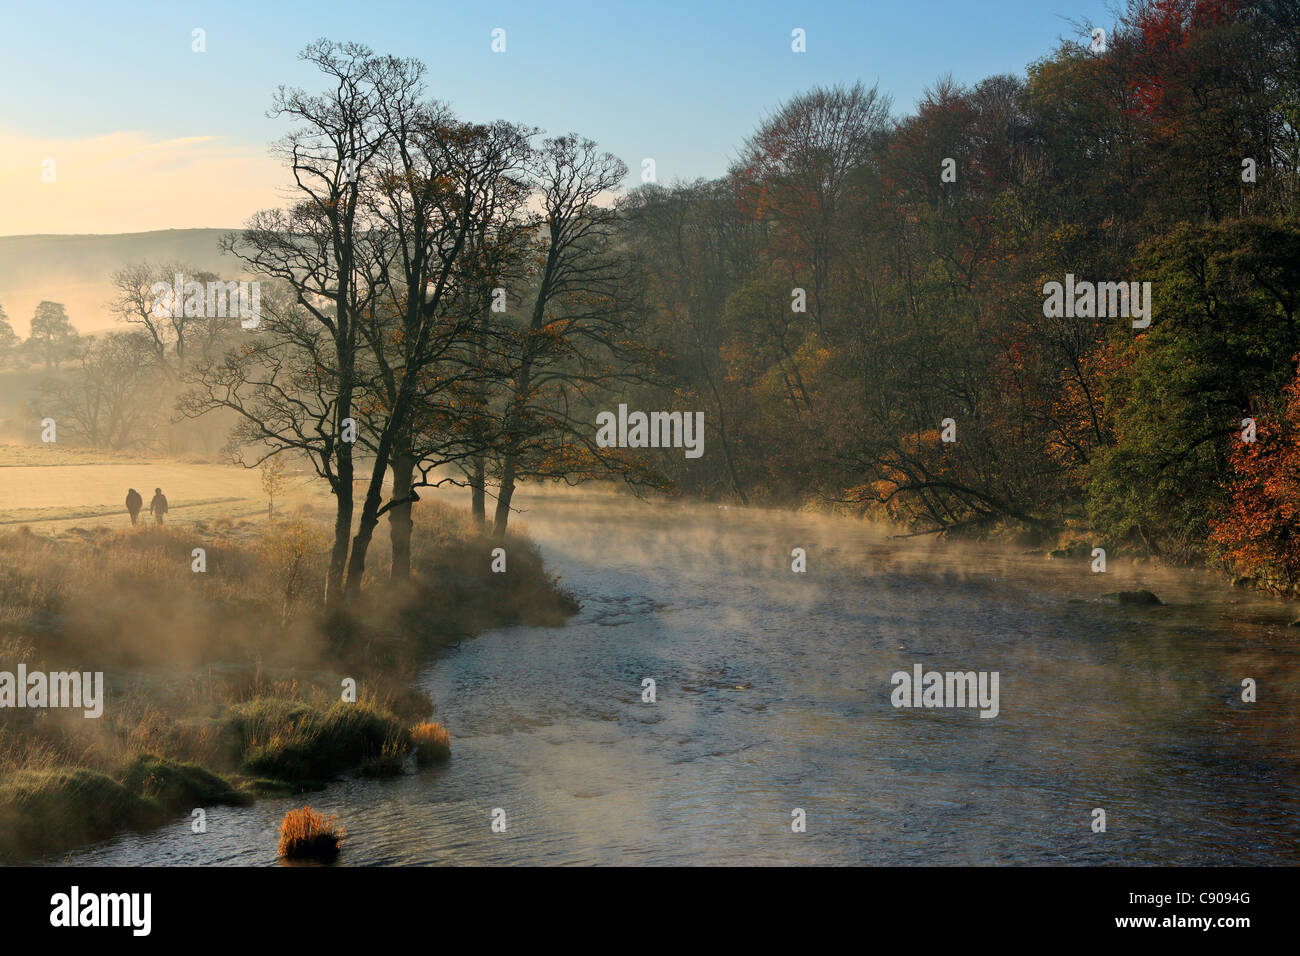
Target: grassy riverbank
224 683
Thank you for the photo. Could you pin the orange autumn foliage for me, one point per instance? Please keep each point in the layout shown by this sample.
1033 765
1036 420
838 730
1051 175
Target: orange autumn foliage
308 835
1258 535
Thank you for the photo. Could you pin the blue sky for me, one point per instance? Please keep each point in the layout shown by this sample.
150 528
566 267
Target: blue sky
683 82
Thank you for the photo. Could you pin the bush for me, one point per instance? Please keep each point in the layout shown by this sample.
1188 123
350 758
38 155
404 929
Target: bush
179 786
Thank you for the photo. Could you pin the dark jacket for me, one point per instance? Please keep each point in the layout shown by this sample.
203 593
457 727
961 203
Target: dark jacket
158 505
133 500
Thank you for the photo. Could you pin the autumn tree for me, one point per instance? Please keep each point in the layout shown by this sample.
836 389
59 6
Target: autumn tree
797 170
570 341
440 185
1257 532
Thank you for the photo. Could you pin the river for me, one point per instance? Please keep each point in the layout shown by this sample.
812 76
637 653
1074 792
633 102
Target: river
773 693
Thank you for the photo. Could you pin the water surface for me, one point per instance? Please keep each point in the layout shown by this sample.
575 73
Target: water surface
773 693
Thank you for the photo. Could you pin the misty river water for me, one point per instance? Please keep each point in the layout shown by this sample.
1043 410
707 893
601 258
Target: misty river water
773 693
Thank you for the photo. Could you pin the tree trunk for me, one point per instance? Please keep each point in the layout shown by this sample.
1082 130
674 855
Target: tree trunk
478 492
374 498
342 532
399 516
504 494
344 348
365 532
360 545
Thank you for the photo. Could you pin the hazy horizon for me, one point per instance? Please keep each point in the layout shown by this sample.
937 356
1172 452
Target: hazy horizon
75 269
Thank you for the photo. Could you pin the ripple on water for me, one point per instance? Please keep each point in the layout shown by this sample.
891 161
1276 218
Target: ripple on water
773 693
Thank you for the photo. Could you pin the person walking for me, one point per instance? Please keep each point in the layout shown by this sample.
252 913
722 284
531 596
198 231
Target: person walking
133 504
158 506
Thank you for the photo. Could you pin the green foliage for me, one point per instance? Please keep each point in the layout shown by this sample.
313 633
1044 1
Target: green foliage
1221 348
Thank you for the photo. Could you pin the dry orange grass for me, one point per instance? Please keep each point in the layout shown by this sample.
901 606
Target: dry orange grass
308 835
432 742
133 593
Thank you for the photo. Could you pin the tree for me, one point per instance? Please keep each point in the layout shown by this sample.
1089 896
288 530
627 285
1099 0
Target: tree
437 183
693 247
169 333
9 341
574 339
329 259
111 400
1255 534
797 168
52 337
273 481
1218 351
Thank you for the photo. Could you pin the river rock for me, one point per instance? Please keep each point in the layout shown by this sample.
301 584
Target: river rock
1141 596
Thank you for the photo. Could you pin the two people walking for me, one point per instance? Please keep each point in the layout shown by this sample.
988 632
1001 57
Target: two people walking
157 507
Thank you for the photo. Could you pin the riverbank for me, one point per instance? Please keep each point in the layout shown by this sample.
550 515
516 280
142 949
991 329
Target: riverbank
1076 541
225 683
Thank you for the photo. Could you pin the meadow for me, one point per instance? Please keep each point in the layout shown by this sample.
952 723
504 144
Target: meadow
224 683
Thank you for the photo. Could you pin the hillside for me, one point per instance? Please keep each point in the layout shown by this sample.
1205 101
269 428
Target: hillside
75 270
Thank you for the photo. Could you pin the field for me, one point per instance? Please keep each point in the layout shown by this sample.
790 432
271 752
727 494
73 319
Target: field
55 489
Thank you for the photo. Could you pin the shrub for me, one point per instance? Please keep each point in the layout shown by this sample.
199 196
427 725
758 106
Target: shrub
292 740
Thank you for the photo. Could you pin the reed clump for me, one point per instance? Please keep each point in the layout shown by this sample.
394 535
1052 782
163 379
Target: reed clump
432 742
308 835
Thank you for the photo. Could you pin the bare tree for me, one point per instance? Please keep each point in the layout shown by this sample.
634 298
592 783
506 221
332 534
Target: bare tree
321 248
798 166
111 400
168 332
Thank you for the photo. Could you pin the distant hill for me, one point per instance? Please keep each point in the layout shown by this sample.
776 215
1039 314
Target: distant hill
75 270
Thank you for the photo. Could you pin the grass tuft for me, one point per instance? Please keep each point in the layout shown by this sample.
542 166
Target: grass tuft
308 835
295 741
432 742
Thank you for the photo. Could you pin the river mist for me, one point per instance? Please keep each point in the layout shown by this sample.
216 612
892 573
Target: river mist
773 693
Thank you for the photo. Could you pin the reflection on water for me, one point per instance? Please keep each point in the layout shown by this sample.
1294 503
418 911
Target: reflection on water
773 693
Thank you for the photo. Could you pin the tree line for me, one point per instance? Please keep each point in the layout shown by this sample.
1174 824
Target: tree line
52 339
855 281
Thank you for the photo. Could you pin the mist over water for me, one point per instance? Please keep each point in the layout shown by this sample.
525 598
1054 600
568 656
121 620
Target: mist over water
774 693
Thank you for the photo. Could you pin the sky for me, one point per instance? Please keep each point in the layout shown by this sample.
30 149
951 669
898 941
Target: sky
145 133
